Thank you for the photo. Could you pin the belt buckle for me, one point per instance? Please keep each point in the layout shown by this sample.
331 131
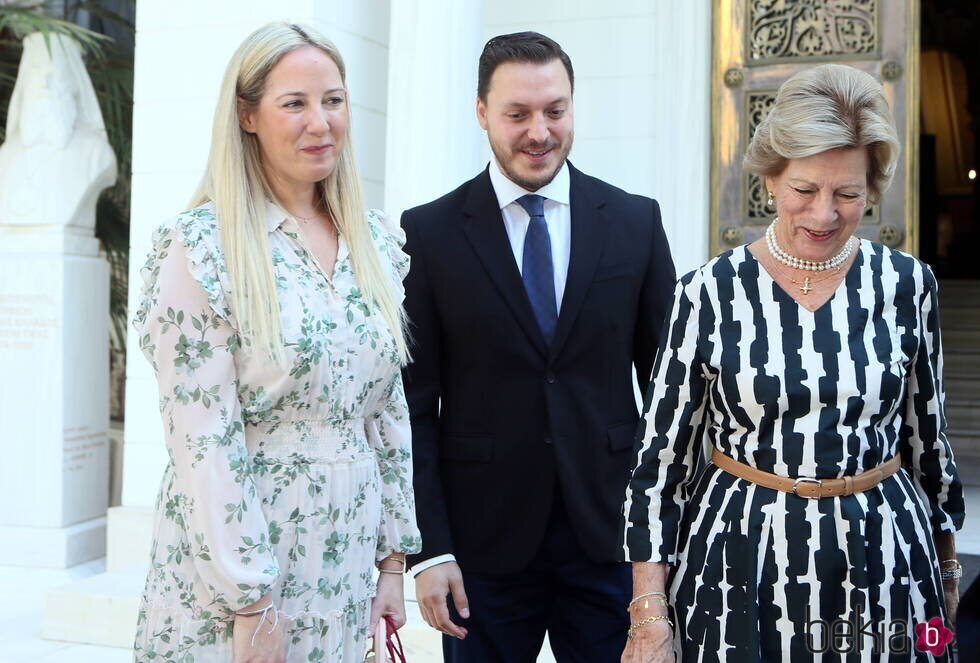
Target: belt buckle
797 482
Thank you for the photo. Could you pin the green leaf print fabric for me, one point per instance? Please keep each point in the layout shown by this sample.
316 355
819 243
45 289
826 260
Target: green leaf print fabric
291 480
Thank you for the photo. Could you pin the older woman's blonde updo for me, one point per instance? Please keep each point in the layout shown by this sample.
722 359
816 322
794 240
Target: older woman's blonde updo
827 107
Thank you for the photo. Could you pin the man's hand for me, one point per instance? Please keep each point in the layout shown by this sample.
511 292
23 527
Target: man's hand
432 588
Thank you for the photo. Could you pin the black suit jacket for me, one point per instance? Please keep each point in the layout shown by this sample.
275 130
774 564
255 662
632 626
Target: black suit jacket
499 420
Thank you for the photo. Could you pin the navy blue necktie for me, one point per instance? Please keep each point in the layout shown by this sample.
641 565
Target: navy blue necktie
537 268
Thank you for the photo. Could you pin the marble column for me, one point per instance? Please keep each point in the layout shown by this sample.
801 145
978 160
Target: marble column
433 142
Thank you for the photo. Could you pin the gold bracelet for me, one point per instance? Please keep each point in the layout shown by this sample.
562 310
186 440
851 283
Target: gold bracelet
391 571
395 557
646 622
660 596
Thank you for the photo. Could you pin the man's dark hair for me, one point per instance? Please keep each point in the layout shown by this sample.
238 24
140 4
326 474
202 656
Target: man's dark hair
530 47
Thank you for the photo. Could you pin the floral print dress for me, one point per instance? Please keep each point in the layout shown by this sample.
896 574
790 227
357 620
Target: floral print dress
288 479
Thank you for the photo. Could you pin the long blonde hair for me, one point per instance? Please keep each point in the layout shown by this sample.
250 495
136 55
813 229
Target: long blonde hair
235 183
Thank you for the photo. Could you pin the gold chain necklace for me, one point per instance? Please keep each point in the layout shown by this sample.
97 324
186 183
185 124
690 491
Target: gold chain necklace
307 220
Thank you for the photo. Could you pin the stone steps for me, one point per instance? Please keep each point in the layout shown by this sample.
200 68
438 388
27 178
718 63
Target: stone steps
960 316
966 449
960 361
962 387
963 416
959 290
961 339
100 610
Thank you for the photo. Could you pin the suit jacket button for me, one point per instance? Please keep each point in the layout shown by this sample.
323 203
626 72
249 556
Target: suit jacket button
551 378
547 439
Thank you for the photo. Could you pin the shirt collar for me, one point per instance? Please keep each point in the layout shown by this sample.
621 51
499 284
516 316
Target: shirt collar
507 191
274 216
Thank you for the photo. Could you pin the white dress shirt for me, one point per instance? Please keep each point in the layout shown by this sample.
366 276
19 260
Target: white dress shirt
558 216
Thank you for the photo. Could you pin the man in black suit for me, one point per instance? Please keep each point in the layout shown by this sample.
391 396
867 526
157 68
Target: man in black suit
534 290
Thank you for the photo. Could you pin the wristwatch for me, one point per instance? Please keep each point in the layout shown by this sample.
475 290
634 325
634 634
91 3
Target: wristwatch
950 569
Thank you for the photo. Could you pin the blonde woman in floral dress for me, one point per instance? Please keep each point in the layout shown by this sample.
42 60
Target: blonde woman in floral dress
271 315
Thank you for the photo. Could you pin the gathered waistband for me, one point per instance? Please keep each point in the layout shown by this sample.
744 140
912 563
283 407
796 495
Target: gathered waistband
310 440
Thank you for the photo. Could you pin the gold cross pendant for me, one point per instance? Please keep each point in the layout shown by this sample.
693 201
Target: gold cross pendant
806 285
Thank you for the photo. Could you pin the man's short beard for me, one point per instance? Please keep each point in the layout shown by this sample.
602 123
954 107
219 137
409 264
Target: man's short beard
526 184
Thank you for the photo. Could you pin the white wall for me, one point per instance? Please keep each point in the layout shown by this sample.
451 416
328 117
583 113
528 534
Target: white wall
359 28
182 47
642 99
434 141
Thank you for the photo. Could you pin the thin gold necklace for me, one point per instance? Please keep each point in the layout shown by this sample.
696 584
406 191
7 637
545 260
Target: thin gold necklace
305 219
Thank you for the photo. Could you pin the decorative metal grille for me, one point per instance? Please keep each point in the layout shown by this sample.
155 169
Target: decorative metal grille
757 107
811 29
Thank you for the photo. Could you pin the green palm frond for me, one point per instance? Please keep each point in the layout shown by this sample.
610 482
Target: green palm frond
23 18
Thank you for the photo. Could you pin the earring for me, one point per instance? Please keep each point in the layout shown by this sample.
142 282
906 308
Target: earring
769 200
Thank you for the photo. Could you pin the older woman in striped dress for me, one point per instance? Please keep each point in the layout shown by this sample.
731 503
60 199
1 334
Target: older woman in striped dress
806 370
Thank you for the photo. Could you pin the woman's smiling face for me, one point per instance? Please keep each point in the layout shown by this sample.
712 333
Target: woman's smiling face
820 200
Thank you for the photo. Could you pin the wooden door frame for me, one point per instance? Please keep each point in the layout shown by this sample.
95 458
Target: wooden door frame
722 46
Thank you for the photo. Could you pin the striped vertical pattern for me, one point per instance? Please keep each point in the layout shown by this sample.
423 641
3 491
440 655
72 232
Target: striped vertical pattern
822 394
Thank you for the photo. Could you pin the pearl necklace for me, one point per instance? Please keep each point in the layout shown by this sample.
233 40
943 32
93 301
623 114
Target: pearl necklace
799 263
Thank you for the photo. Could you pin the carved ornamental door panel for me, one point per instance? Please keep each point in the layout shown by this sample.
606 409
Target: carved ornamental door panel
758 44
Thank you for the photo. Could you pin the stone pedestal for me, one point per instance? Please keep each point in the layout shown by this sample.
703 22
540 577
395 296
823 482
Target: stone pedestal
54 416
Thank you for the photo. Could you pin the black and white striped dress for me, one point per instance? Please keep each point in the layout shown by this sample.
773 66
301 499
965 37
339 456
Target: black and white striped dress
747 370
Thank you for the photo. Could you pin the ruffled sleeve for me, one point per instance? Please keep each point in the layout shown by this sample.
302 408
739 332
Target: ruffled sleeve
390 240
188 333
390 432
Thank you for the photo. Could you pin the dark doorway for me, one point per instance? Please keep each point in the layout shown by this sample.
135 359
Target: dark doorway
949 155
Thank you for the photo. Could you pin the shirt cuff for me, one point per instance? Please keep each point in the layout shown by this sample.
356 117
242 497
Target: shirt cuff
434 561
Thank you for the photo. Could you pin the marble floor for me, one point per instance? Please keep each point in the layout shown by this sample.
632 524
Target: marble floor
22 595
21 604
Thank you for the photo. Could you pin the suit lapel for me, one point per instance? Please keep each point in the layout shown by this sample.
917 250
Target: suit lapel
484 228
589 230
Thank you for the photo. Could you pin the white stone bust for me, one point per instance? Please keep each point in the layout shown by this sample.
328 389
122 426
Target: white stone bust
57 157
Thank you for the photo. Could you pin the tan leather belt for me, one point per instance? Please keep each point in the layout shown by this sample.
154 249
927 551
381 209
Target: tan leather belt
805 487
